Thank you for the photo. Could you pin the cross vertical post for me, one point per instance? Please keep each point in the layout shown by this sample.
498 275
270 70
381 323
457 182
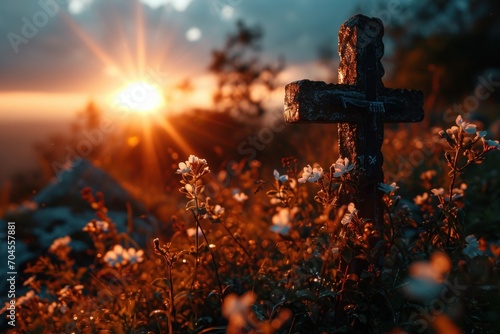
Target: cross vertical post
360 104
360 48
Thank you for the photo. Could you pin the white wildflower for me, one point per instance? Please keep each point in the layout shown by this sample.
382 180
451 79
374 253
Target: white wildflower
240 197
350 214
466 126
388 188
280 178
342 166
311 174
472 249
59 242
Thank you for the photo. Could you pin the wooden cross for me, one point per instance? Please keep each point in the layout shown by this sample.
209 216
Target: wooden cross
361 105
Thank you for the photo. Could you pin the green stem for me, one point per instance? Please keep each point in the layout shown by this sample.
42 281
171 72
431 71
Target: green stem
196 237
196 245
454 174
464 167
338 306
238 243
453 179
170 278
216 268
331 182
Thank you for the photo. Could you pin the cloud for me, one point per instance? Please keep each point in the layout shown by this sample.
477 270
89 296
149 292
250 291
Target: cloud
84 46
296 28
38 54
179 5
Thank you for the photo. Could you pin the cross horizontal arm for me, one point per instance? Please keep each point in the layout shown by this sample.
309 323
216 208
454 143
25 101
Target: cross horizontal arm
318 102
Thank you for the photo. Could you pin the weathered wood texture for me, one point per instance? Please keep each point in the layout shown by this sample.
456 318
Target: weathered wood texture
360 104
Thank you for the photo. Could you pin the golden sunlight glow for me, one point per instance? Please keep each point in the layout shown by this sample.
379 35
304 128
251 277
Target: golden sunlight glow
141 97
133 141
141 102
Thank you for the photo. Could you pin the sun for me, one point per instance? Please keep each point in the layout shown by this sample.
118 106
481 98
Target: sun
140 97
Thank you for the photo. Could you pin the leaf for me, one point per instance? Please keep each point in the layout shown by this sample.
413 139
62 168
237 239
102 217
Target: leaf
347 255
461 216
361 256
81 271
213 300
366 274
349 307
193 253
400 243
282 247
161 283
215 221
328 293
362 318
305 295
353 277
191 204
313 266
259 311
212 330
277 296
182 295
489 287
158 312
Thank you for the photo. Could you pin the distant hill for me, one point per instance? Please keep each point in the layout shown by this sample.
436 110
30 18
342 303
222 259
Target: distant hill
17 139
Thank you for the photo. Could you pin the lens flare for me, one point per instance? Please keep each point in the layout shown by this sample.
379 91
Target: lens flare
141 97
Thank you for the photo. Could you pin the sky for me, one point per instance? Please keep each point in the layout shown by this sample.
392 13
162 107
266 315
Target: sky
58 54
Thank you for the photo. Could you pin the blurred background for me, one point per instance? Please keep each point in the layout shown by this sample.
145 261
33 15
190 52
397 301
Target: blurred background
135 86
112 94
